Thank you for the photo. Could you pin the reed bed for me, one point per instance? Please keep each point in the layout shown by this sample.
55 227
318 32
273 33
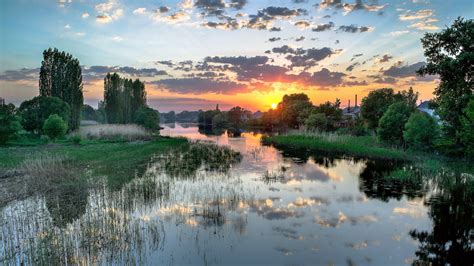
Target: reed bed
128 132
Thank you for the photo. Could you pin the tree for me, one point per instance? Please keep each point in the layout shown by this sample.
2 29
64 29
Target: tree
467 133
377 102
35 111
9 124
332 113
122 98
55 127
219 121
234 116
88 113
421 130
148 118
393 122
450 54
291 107
316 121
61 76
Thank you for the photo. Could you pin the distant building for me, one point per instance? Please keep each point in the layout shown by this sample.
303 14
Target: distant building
351 112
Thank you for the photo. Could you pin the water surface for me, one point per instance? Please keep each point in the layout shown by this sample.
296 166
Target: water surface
272 207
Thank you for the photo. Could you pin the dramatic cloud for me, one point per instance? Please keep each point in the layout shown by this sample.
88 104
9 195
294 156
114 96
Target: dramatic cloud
348 7
182 103
302 24
425 13
354 29
304 57
403 71
326 78
323 27
200 86
274 39
24 74
385 58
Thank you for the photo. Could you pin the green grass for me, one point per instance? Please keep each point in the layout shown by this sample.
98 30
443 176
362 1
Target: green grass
118 160
364 146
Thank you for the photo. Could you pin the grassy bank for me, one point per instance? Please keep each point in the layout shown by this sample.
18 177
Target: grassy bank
364 146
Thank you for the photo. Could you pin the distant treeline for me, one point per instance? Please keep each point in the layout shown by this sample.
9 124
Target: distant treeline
183 117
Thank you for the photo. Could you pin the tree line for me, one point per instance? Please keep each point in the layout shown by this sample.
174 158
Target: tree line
60 103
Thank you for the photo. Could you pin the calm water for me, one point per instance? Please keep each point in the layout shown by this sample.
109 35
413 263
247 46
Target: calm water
270 208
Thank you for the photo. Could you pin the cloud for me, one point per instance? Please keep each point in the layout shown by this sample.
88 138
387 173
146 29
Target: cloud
24 74
108 12
348 7
302 24
299 39
385 58
355 29
326 78
85 15
274 39
263 20
200 86
117 39
420 14
173 18
323 27
163 9
304 57
423 25
99 72
139 11
403 71
398 33
183 103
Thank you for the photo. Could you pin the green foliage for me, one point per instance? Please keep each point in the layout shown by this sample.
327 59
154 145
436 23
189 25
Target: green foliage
148 118
55 127
88 113
393 122
61 76
450 54
292 107
467 133
205 118
219 121
377 102
316 121
122 98
421 131
35 111
76 139
9 124
331 111
234 116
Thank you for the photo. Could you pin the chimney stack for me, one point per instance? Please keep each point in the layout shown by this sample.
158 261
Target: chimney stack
349 105
356 101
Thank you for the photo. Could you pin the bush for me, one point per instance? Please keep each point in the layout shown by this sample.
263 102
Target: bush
55 127
76 139
316 121
219 121
393 122
35 112
9 124
148 118
420 131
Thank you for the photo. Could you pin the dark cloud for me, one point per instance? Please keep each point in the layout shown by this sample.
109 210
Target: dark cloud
299 1
385 58
355 83
353 28
274 39
326 78
352 66
28 74
200 86
182 103
302 24
323 27
264 18
167 63
299 39
163 9
385 80
403 71
238 4
275 29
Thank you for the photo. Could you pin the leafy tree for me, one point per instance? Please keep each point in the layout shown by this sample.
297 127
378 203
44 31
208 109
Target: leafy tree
316 121
205 118
122 98
332 113
467 133
393 122
61 76
421 130
9 124
450 54
55 127
88 113
377 102
35 111
219 121
148 118
234 116
291 107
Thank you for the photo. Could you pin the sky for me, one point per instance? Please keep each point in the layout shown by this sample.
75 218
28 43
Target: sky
194 54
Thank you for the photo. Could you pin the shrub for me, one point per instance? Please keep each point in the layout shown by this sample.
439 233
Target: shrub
54 127
393 122
148 118
420 131
9 124
76 139
219 121
35 112
467 132
316 121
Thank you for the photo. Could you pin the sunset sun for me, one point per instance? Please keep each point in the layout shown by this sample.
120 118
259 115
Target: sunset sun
274 106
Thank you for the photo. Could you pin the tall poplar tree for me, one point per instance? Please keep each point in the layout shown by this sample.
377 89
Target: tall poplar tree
61 76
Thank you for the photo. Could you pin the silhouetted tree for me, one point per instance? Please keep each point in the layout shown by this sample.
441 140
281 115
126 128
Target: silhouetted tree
35 111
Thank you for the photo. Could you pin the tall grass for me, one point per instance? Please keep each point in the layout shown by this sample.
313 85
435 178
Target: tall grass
128 132
366 146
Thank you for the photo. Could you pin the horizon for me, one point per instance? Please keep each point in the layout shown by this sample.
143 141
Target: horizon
187 54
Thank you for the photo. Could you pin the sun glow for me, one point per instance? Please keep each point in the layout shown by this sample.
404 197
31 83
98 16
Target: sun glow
274 106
